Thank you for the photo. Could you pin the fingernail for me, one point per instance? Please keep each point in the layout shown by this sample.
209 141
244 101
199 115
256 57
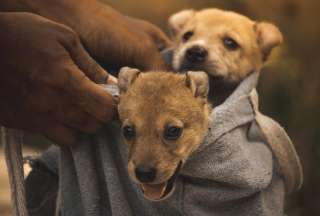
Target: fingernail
112 80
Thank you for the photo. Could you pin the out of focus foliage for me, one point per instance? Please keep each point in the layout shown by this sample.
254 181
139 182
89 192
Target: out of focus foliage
290 83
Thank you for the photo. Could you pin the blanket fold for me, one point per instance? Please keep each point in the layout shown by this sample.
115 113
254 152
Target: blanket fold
236 170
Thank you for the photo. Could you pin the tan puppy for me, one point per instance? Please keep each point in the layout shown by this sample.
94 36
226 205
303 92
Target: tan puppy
161 124
225 44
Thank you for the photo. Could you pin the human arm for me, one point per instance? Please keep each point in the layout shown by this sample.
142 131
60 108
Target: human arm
108 35
48 80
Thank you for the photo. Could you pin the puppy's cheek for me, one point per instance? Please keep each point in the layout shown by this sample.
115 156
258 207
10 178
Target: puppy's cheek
166 174
225 63
217 66
166 169
235 68
183 151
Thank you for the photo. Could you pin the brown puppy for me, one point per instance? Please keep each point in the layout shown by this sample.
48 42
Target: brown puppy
225 44
164 119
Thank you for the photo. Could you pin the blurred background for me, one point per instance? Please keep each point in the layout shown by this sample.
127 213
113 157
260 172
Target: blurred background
289 86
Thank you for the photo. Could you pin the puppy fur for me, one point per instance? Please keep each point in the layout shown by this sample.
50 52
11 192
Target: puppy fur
230 45
149 104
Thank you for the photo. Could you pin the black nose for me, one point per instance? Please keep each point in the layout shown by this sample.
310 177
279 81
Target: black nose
145 174
196 54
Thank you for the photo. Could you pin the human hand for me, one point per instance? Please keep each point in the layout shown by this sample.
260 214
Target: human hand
109 36
48 81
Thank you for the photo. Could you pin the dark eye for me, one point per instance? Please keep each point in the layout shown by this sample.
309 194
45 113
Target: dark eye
186 36
172 133
230 44
128 132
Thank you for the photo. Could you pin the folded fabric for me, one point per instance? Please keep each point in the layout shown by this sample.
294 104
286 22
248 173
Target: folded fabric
242 168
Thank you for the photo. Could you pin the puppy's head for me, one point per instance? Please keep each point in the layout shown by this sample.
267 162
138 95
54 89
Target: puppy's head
164 119
222 43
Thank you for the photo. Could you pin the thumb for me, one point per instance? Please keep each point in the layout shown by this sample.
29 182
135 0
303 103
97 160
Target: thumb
160 39
156 34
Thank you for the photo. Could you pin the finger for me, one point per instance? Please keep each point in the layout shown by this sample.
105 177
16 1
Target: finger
61 134
78 119
155 60
112 80
161 40
91 97
62 110
157 35
84 61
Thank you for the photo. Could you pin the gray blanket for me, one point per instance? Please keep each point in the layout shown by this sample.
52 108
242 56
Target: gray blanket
243 167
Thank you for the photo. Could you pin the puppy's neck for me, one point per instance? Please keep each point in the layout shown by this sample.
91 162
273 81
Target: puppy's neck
220 90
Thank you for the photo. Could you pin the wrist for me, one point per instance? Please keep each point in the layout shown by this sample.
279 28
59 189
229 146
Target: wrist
95 23
85 17
12 6
66 12
91 16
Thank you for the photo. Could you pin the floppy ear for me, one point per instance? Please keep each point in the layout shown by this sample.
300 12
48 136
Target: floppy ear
269 36
198 82
126 77
178 20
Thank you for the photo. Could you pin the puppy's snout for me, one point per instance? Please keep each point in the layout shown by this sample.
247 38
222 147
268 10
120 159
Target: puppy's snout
145 174
196 54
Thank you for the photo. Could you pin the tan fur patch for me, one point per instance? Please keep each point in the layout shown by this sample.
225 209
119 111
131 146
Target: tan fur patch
210 27
153 101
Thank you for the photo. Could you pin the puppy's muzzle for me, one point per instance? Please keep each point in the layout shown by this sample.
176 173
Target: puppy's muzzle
145 174
196 54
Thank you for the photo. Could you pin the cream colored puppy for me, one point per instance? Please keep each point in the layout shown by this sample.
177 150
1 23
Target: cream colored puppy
225 44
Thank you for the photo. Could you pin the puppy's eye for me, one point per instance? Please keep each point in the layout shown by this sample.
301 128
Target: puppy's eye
128 132
186 36
230 44
172 132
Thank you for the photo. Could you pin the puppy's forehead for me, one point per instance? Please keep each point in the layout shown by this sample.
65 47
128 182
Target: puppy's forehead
216 16
152 96
213 24
215 20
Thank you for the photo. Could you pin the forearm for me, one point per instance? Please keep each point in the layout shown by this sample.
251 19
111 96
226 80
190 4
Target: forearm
67 12
13 6
40 6
104 32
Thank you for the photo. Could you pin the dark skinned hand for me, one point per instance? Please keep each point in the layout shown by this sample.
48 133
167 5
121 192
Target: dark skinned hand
109 36
48 80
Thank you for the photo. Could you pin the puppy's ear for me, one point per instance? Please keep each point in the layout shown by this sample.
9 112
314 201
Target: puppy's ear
269 36
198 82
126 77
178 20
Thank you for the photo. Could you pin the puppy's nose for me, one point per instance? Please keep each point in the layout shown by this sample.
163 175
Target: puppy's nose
145 174
196 54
